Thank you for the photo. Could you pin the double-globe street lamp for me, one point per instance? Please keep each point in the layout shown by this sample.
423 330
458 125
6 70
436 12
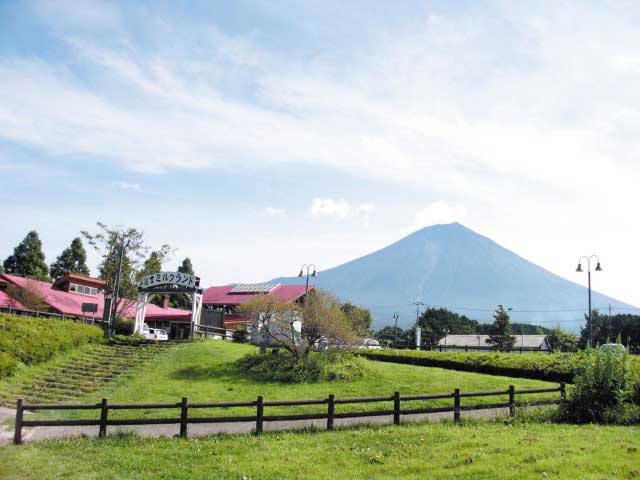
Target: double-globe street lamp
302 274
597 269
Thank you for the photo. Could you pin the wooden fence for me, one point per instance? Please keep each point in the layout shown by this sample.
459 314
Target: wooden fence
259 418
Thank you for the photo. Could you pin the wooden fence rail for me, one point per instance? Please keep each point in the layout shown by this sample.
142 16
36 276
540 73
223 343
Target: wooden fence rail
259 418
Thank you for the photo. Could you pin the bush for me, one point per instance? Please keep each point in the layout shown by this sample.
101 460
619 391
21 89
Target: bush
125 326
602 390
33 340
284 367
7 365
556 367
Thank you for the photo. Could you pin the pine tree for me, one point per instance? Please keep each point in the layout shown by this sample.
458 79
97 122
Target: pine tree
181 300
28 259
151 266
73 259
500 334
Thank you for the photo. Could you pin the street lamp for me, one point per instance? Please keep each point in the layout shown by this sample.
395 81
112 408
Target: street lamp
597 269
302 274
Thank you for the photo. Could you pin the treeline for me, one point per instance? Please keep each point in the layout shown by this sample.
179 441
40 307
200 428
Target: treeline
619 328
138 260
436 323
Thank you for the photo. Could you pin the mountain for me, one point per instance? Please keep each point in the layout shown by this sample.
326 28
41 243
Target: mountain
454 267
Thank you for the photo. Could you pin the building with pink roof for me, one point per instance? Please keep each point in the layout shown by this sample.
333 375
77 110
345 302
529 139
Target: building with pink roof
67 295
221 303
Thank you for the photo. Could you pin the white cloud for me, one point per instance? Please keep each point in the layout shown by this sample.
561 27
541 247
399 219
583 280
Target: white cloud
437 213
135 187
340 209
275 212
329 207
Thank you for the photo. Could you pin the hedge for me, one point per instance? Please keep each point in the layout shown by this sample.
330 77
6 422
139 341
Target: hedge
33 340
556 367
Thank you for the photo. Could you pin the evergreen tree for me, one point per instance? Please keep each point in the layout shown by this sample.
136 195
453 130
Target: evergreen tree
438 322
151 266
73 259
181 300
28 259
500 334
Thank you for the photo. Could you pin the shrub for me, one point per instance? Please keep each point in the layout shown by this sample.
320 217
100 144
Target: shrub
33 340
557 367
284 367
7 365
125 326
602 390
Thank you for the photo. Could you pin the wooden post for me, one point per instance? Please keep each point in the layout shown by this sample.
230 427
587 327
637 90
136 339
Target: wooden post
17 436
456 405
183 417
396 408
259 414
563 392
330 411
104 412
512 400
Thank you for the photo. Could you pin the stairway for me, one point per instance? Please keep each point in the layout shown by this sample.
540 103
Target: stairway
83 372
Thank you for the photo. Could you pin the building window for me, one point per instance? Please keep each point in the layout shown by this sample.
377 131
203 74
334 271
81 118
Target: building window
91 291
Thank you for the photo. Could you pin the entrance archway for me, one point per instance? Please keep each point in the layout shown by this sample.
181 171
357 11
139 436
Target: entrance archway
169 283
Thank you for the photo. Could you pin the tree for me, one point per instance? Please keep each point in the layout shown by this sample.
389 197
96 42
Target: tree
438 322
28 259
273 320
500 334
394 336
73 259
181 300
359 318
324 319
154 265
28 295
109 243
561 340
299 328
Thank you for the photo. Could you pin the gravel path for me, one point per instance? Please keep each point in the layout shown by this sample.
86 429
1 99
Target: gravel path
198 429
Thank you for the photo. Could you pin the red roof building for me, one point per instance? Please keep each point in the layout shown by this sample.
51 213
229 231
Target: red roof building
11 303
67 295
228 298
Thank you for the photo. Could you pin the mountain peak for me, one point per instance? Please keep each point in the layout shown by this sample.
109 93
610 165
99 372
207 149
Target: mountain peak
452 266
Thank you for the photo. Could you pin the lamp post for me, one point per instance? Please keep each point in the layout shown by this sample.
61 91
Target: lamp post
395 330
302 273
597 269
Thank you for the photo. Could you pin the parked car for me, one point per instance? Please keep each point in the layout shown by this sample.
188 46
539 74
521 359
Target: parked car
154 333
614 347
370 344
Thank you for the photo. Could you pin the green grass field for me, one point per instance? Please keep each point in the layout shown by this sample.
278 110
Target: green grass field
204 372
472 450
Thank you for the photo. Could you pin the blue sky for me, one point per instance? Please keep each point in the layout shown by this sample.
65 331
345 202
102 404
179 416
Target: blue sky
256 136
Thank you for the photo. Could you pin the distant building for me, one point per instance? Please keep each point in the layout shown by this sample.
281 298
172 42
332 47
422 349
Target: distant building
478 343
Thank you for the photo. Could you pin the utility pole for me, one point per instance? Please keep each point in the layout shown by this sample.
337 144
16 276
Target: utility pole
395 330
116 290
418 303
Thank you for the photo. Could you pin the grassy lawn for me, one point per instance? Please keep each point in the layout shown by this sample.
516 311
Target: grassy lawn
472 450
204 372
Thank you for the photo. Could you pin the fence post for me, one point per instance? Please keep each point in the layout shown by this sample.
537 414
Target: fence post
512 400
563 392
330 411
259 414
396 408
104 412
183 417
456 405
17 436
